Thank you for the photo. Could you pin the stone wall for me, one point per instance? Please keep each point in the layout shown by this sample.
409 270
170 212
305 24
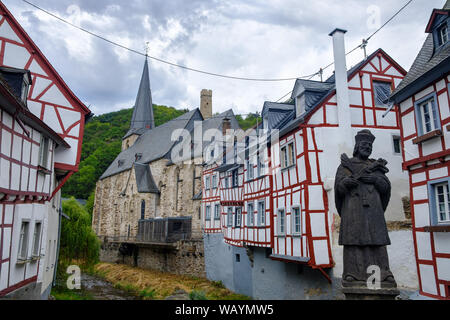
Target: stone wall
183 257
117 207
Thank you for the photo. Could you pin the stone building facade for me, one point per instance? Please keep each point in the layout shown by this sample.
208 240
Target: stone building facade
145 183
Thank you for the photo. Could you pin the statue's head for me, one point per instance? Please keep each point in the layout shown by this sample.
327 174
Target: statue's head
363 146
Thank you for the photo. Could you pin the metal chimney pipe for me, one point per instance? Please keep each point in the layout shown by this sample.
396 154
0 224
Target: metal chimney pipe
342 93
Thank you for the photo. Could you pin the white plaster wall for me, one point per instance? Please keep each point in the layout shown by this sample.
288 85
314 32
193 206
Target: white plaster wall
401 259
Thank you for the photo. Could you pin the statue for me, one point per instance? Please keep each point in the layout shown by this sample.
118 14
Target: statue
362 193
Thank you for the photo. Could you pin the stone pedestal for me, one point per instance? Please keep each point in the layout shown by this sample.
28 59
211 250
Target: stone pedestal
359 291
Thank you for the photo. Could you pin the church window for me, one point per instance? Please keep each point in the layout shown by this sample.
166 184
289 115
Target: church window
143 209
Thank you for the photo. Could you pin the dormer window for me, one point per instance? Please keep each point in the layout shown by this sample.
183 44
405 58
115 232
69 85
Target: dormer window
19 81
442 34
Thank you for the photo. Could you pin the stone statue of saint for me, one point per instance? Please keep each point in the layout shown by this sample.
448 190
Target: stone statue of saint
362 193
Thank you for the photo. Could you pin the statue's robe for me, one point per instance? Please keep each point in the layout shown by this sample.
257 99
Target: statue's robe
363 231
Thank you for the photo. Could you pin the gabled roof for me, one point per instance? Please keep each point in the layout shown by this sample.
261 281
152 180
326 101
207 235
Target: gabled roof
331 85
4 11
142 118
144 179
276 114
154 144
429 65
434 15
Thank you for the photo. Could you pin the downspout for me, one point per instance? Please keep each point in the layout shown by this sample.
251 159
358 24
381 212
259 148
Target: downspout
60 216
59 240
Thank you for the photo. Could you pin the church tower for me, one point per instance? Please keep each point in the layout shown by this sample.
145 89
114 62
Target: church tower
142 119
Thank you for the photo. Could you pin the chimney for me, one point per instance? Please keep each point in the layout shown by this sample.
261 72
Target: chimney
343 102
226 125
206 103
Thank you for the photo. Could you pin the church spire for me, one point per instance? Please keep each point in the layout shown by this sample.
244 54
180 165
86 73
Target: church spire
142 118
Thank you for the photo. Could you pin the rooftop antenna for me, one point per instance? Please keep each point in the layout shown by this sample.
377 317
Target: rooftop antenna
363 46
321 74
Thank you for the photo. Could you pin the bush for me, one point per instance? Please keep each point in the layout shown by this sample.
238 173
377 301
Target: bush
197 295
78 240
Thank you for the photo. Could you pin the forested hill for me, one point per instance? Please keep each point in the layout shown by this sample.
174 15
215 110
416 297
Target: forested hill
102 143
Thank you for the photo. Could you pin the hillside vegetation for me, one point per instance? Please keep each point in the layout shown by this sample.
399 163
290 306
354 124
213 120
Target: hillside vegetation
102 143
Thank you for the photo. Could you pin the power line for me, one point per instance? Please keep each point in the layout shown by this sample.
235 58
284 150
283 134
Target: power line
158 59
364 43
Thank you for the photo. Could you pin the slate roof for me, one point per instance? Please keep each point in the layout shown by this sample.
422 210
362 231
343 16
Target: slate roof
323 90
142 118
277 113
156 143
427 67
144 178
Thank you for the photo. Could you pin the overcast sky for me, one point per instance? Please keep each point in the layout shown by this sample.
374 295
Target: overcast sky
252 38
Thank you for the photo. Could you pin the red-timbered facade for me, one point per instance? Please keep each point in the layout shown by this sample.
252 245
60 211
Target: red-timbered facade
296 186
423 99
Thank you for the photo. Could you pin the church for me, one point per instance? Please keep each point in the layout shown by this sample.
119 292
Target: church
145 196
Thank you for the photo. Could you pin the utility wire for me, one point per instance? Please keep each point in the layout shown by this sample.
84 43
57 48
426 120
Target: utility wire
158 59
359 46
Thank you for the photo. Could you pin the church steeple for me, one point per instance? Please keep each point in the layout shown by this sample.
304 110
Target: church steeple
143 108
142 118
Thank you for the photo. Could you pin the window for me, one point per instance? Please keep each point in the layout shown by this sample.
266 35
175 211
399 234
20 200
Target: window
238 217
207 183
427 115
226 182
382 91
24 94
249 170
442 202
36 239
216 212
214 181
230 217
143 209
281 222
442 33
23 241
296 221
208 213
439 191
238 258
397 145
43 152
287 155
262 213
250 215
235 178
261 167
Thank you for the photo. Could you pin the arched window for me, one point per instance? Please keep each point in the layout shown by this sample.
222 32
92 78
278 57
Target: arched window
143 209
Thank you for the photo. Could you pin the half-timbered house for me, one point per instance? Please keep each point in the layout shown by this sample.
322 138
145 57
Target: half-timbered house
41 130
423 99
294 244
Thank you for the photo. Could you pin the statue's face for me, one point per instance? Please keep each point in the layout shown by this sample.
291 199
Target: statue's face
365 149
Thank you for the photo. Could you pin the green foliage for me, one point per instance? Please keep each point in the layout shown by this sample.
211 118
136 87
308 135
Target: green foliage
218 284
89 206
78 240
251 120
148 293
197 295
